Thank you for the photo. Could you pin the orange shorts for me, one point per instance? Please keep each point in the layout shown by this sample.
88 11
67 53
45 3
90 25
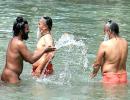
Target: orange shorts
47 71
115 77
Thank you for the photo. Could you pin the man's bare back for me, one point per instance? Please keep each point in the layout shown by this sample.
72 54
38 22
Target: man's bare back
115 55
112 56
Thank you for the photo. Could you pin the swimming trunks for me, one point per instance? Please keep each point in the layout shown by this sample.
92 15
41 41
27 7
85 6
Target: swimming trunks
115 77
47 71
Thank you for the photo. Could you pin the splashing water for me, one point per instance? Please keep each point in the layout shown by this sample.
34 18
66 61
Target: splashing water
68 39
65 76
106 37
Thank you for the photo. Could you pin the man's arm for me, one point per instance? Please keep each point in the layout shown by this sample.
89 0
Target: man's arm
99 60
29 56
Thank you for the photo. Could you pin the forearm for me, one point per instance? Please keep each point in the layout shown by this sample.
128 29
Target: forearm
36 55
96 68
46 59
99 59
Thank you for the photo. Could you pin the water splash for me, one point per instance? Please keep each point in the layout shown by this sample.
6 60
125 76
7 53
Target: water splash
106 37
85 59
66 40
65 76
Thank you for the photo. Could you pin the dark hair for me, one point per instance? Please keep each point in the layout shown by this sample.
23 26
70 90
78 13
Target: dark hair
19 25
48 22
114 28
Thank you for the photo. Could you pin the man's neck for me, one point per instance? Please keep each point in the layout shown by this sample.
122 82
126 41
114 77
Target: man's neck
45 33
113 36
18 37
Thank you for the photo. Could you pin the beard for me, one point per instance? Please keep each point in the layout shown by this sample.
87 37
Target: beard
25 36
106 37
38 34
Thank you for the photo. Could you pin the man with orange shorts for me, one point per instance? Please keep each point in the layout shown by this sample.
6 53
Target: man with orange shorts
112 56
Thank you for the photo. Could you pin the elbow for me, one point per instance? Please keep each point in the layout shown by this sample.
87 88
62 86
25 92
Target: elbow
96 64
31 61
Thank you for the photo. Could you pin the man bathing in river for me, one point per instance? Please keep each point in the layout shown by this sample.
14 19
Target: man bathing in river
44 66
112 56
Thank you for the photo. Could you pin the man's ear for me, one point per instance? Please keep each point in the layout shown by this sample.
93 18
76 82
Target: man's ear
21 32
109 31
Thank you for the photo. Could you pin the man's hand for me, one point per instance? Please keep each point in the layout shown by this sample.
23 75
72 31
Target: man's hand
95 70
38 72
92 75
49 49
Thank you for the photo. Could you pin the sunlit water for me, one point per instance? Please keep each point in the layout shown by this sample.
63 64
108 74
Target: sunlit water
77 31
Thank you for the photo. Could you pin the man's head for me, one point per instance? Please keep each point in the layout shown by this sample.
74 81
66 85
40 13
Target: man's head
21 27
45 24
114 28
111 28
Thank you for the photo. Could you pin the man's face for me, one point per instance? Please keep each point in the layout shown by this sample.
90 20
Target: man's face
42 25
26 31
106 29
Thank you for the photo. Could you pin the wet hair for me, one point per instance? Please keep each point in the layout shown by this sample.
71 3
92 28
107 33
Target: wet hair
113 27
48 22
19 25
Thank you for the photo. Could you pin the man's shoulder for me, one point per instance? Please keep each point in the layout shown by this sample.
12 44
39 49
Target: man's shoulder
125 40
20 44
104 44
41 38
16 41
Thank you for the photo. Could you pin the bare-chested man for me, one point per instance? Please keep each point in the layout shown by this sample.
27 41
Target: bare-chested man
44 66
17 51
112 56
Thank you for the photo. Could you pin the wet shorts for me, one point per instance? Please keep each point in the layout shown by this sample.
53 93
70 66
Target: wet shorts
115 77
47 71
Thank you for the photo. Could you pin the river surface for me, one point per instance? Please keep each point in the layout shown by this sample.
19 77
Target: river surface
83 20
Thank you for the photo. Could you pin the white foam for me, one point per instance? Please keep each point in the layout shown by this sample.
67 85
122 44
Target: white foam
66 40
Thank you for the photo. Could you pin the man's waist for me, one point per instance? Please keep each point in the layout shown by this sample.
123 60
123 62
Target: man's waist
115 72
17 71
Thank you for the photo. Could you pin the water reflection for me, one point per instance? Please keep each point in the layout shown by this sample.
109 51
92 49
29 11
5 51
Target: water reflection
116 91
40 91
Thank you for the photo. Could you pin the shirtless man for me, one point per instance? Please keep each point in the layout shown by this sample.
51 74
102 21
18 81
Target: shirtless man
17 51
44 66
112 56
